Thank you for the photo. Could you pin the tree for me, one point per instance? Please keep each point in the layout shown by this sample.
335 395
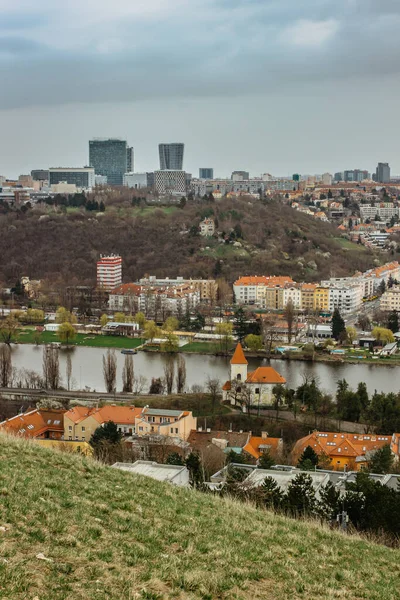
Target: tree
119 317
171 343
69 370
193 464
5 365
253 342
329 501
269 333
351 334
66 332
289 314
110 370
224 330
8 330
300 495
103 320
127 374
63 316
169 374
382 460
272 494
174 459
171 324
278 392
140 319
156 386
383 335
265 461
51 367
309 455
181 375
338 325
151 331
364 322
106 433
213 387
382 287
393 322
239 324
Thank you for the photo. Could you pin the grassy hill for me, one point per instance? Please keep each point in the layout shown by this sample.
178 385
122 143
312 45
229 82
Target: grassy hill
63 246
110 535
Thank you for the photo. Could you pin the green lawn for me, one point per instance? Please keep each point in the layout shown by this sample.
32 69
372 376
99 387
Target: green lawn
199 347
106 535
27 336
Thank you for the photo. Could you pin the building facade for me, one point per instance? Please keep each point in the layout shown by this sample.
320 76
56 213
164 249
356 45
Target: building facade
390 300
109 272
80 177
206 173
109 157
382 174
171 156
135 180
170 182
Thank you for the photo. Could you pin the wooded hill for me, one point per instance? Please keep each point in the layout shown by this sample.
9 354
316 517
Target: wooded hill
270 238
74 529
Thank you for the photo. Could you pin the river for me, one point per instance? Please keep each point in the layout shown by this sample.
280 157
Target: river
87 370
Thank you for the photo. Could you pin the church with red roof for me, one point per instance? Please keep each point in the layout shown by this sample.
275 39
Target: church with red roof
254 388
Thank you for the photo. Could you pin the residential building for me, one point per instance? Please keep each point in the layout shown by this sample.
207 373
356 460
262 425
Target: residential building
207 288
291 292
100 180
382 174
80 422
36 424
327 179
40 174
261 290
307 296
240 175
159 302
390 300
321 298
250 388
207 227
170 423
109 272
216 187
171 156
346 451
110 157
217 444
135 180
82 178
125 298
206 173
258 445
384 210
170 182
175 474
344 295
355 175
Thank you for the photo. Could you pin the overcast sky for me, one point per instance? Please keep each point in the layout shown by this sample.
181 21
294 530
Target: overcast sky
278 86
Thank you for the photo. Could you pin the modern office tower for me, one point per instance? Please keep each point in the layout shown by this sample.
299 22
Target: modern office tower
170 182
338 177
40 174
81 177
109 157
327 179
296 177
240 175
129 160
171 156
206 173
109 272
382 174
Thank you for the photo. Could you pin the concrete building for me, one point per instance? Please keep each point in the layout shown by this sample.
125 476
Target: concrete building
207 227
175 474
384 210
240 175
382 174
109 272
207 288
82 178
130 166
265 292
206 173
170 182
171 156
110 158
169 423
135 180
327 179
80 422
40 174
344 295
390 300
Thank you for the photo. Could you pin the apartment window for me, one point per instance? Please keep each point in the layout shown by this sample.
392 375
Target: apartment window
176 430
83 429
172 430
70 428
140 428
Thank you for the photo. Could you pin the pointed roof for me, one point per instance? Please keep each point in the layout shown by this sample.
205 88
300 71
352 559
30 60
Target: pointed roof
238 357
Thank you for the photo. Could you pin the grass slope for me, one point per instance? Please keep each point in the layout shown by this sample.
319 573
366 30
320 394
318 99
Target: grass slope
110 535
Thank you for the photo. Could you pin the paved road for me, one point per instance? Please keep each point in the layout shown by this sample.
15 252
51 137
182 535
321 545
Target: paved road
64 394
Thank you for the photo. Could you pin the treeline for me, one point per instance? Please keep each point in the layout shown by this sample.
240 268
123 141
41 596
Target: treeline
78 200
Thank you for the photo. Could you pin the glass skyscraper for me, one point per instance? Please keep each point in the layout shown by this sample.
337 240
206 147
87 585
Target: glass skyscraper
110 158
171 156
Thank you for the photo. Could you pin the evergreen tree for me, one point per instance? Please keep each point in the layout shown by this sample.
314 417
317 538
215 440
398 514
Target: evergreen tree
310 456
174 459
265 461
381 461
363 395
338 325
193 464
393 322
382 287
329 501
272 493
107 433
300 495
239 324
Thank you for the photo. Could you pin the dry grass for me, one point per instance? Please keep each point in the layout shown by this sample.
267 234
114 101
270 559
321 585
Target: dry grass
111 535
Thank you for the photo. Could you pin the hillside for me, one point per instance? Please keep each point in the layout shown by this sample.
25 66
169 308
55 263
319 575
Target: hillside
109 535
59 243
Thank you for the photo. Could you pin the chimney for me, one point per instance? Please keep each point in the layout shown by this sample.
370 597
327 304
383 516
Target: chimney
200 429
264 435
208 430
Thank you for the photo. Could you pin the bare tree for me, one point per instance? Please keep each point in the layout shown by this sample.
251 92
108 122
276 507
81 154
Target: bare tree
127 374
69 371
110 370
181 375
213 388
139 384
51 367
289 315
269 333
169 374
5 365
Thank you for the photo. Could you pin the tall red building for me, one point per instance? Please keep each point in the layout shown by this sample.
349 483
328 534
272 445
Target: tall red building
109 272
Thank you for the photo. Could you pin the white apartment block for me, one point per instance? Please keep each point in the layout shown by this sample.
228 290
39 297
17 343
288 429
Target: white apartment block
346 299
390 300
292 293
366 283
385 210
109 272
207 227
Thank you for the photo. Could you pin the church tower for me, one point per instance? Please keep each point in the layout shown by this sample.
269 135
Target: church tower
239 364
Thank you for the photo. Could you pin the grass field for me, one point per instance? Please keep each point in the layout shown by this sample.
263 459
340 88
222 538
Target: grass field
199 404
200 347
106 535
27 336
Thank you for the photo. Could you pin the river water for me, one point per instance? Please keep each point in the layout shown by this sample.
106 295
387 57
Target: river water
87 370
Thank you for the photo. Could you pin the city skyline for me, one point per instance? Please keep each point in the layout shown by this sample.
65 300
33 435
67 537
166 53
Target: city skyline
279 87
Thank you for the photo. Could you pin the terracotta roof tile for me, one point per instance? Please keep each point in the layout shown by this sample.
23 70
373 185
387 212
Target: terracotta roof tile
238 357
265 375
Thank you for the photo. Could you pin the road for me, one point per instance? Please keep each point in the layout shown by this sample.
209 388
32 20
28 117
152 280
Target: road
65 395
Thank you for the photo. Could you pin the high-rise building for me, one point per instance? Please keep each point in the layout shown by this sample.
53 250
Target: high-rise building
40 174
296 177
170 182
129 160
382 174
109 272
81 177
327 179
171 156
240 175
109 157
206 173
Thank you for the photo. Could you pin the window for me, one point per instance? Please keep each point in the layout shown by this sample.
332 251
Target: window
140 428
172 430
83 429
70 438
239 377
257 390
176 430
83 439
70 428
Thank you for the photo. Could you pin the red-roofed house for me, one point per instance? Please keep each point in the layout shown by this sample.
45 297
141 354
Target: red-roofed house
38 424
256 445
250 388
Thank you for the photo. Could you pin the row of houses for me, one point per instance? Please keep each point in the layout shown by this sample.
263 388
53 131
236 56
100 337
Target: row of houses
345 293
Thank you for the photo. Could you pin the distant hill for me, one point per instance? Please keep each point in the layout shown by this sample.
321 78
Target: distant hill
267 238
71 529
